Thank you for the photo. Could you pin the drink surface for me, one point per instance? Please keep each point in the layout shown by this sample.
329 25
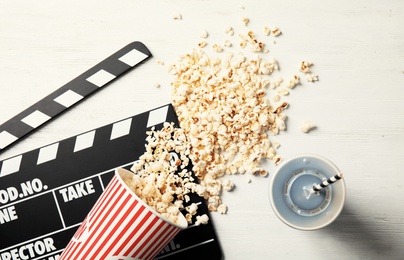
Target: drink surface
300 196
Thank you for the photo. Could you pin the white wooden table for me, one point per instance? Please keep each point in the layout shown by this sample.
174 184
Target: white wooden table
358 51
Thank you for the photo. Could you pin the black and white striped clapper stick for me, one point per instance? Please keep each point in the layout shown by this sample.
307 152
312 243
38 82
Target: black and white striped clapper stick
318 187
72 93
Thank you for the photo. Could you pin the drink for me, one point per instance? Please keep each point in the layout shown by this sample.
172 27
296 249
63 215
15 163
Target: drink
296 195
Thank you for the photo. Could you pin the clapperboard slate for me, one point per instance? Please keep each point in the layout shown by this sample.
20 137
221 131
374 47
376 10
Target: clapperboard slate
46 193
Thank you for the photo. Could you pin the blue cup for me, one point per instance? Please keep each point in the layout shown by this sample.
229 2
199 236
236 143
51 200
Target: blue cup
293 199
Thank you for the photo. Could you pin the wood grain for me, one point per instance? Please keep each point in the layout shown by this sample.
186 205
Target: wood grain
357 48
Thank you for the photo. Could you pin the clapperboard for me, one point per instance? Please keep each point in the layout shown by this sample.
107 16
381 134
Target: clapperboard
46 193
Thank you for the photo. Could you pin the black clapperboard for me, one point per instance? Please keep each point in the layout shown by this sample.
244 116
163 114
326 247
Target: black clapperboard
46 193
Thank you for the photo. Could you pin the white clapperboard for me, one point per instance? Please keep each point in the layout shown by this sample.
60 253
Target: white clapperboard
46 193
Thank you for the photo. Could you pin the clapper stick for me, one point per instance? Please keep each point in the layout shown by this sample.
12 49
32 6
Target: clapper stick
72 93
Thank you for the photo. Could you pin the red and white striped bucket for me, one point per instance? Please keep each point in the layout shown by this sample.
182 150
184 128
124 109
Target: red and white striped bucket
121 226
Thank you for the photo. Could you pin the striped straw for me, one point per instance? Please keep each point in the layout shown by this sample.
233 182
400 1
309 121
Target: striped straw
318 187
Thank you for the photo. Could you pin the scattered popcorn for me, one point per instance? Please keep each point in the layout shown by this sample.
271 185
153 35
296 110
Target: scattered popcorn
256 46
192 209
228 185
283 91
227 43
245 21
305 66
160 62
311 77
205 94
276 98
157 85
276 32
188 217
177 16
213 203
222 106
276 83
201 220
267 31
280 108
222 209
204 34
217 48
202 44
277 160
229 30
307 126
293 82
260 171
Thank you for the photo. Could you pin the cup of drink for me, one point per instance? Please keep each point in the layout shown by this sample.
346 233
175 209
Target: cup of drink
122 226
307 192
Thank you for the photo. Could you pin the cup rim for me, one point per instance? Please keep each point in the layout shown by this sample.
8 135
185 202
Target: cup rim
318 158
182 222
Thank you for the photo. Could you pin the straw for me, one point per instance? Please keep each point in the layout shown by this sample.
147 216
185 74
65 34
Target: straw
335 178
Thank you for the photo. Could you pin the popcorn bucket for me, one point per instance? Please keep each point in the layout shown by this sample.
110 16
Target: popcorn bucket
121 226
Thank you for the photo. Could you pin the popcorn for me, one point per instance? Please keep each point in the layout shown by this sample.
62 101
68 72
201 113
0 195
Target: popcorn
222 209
206 94
311 78
277 160
202 44
222 106
204 34
227 43
192 209
276 32
293 82
276 83
213 203
260 171
201 220
245 21
227 185
256 46
283 92
177 16
276 98
217 48
229 30
188 217
267 31
305 66
307 126
161 178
